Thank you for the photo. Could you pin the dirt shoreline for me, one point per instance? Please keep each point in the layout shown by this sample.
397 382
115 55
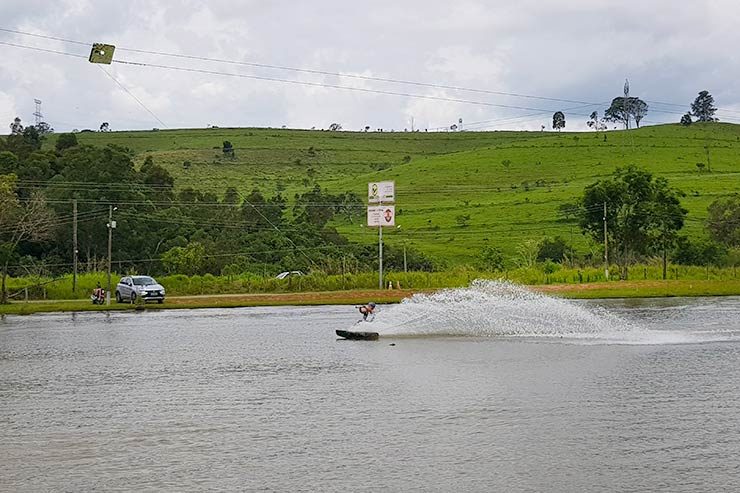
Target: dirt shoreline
613 289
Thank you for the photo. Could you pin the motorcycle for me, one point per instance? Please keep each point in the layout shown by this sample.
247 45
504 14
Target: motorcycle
98 298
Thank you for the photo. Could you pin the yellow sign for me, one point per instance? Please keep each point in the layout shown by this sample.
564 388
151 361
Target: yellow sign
102 53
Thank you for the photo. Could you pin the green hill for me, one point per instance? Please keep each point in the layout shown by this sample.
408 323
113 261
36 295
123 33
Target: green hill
456 192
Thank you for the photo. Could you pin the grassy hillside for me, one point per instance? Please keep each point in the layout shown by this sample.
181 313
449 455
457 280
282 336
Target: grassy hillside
509 184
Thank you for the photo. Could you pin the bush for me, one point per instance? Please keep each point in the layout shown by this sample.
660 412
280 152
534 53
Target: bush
553 249
65 141
698 252
491 259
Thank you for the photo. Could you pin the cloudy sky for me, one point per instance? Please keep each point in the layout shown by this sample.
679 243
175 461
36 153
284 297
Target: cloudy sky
576 51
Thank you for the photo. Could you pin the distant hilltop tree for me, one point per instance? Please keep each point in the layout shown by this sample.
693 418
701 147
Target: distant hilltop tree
335 127
558 120
686 120
703 107
623 109
44 129
596 123
105 127
16 128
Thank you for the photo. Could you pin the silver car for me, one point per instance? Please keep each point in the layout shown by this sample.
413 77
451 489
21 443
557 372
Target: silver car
131 287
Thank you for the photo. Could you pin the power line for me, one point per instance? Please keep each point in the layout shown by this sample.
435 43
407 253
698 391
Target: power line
333 73
293 82
132 95
322 72
45 50
312 71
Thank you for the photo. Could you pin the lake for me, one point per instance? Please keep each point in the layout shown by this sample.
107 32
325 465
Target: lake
489 388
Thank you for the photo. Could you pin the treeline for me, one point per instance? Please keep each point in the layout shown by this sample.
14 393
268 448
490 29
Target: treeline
632 218
159 229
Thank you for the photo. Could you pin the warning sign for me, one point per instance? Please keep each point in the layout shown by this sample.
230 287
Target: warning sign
381 215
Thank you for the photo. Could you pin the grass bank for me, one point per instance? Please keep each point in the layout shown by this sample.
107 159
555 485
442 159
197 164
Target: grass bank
618 289
42 288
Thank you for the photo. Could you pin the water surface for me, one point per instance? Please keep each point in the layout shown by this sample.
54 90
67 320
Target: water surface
551 396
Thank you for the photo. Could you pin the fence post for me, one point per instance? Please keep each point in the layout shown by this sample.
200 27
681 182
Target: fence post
25 290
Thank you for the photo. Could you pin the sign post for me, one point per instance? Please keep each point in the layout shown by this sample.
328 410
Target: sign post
381 215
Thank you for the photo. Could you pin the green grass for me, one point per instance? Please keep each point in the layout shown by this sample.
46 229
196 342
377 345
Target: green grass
634 289
509 183
180 285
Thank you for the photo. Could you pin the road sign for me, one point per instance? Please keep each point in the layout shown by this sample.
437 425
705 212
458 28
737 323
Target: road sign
382 191
102 53
381 215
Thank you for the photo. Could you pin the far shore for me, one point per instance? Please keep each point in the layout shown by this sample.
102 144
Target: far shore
614 289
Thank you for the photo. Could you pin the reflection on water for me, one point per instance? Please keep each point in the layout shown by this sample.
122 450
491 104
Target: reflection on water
558 396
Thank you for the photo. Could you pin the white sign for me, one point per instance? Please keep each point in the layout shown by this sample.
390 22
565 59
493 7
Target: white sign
382 191
381 215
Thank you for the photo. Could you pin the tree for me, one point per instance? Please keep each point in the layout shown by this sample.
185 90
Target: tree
188 260
24 143
636 217
554 249
639 110
44 129
228 149
686 120
16 128
8 163
666 219
491 258
105 127
622 110
231 196
65 141
723 221
703 107
697 252
335 127
158 178
30 220
558 120
596 123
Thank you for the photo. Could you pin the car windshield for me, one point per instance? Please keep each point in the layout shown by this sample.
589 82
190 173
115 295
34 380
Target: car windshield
143 281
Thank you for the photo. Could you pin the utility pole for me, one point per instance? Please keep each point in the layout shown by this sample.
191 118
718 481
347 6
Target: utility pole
111 225
74 245
606 248
405 269
380 254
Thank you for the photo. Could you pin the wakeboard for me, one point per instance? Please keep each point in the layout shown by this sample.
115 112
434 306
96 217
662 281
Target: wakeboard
358 336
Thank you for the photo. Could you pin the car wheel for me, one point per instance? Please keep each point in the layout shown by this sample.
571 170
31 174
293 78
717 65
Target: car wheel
133 297
118 297
160 301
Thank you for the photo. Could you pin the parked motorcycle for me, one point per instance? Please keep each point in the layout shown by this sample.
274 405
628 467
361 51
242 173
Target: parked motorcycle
98 297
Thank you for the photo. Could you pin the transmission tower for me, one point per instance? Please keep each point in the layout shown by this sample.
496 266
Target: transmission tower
39 116
626 99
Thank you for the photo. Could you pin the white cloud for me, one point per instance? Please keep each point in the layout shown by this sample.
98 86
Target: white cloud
572 49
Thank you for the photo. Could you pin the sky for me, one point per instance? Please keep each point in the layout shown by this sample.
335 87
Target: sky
576 51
